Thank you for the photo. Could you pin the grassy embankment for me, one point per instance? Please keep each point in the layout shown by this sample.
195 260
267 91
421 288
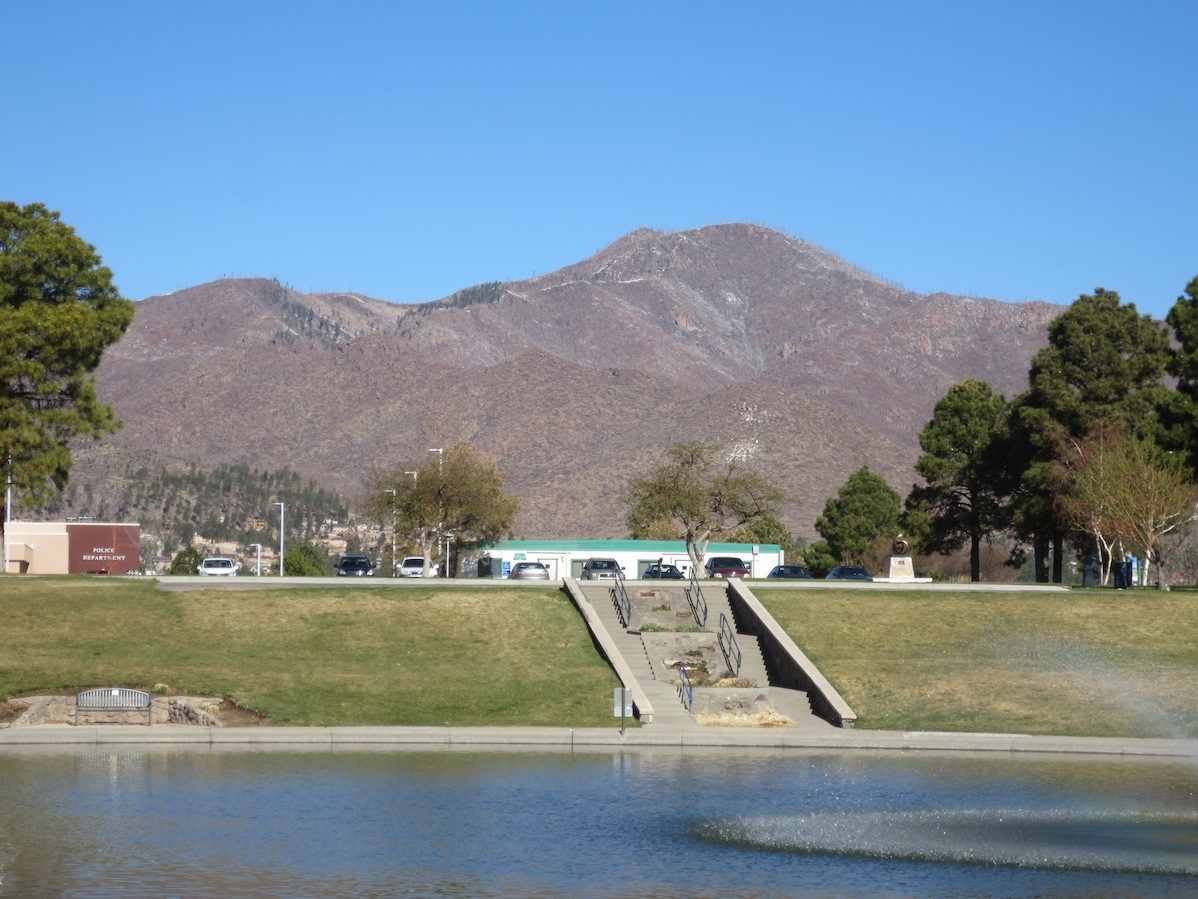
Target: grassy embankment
1086 662
1092 662
358 656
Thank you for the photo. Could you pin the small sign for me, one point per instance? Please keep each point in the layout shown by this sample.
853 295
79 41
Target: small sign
622 693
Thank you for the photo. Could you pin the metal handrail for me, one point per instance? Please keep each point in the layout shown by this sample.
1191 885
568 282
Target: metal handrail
619 599
697 602
729 646
685 691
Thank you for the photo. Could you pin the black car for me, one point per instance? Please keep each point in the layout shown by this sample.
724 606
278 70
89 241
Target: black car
793 571
848 573
354 566
665 572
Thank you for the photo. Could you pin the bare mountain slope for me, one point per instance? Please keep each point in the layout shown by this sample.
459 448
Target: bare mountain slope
572 380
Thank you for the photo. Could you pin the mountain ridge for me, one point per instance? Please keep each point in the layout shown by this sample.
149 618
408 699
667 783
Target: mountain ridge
572 380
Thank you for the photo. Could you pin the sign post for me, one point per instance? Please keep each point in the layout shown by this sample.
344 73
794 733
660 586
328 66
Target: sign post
623 705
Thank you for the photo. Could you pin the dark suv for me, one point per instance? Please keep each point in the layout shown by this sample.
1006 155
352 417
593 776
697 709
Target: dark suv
725 566
354 566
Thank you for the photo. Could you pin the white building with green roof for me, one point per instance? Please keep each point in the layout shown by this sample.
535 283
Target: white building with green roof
565 558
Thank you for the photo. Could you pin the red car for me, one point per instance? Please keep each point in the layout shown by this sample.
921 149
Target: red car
725 566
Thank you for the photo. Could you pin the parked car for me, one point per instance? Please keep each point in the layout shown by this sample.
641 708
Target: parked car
848 573
529 571
600 569
665 572
353 566
413 566
725 566
793 571
218 566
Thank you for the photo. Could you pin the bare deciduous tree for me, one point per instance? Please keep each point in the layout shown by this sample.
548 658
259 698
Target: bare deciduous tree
1125 493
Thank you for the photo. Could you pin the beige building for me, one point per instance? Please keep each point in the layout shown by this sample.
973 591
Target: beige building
72 547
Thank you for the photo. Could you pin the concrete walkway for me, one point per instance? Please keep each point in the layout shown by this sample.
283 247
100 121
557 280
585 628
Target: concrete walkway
101 736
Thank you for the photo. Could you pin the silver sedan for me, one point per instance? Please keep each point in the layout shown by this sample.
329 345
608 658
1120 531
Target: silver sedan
529 571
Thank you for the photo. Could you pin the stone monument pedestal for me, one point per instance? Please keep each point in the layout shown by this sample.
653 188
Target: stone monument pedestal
901 570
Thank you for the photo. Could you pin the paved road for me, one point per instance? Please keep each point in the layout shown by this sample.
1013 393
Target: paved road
251 582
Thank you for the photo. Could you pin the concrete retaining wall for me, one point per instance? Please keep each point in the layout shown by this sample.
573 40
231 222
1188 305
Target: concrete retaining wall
187 711
788 666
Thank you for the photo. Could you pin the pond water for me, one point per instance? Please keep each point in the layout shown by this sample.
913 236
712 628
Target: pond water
232 822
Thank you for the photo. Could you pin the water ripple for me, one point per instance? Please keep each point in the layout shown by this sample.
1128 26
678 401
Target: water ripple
1140 842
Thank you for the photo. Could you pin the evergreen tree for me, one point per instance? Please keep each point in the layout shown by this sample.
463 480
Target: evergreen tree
818 558
1179 415
186 561
965 451
306 560
1103 365
59 311
863 510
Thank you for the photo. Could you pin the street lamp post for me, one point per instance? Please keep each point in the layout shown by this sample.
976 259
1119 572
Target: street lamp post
282 510
394 561
449 535
440 451
394 549
7 506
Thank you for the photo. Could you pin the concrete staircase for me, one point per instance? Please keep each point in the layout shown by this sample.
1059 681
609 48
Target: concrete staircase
791 703
667 705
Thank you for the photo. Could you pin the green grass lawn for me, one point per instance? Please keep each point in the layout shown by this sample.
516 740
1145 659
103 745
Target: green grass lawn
1093 662
317 657
1089 662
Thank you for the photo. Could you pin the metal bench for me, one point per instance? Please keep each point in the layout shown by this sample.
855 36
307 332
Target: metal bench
114 699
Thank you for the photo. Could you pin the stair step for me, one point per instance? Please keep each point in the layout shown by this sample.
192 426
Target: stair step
668 707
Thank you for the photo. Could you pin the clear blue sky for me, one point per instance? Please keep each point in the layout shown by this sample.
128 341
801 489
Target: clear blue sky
1014 150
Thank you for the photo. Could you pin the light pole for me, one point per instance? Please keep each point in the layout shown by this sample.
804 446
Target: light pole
440 451
394 561
7 506
449 535
282 510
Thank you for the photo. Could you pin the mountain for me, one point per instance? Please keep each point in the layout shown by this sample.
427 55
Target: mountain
783 353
